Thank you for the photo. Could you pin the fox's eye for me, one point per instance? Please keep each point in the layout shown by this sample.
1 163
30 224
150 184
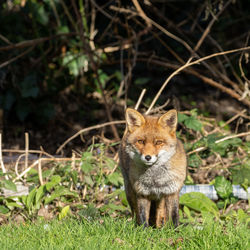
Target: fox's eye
159 142
140 141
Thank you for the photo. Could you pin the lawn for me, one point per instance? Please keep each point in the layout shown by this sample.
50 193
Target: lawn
109 233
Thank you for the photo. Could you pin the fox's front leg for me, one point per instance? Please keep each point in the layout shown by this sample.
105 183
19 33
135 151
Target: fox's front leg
142 211
172 208
161 216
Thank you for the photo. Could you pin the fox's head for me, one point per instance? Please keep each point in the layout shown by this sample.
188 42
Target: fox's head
151 140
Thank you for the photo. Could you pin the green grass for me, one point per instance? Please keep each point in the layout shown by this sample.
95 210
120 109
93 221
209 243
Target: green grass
122 234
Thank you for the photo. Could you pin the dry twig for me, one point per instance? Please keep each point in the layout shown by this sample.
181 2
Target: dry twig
188 64
85 130
1 158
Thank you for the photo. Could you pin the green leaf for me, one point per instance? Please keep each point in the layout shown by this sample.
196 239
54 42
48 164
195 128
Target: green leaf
141 80
13 204
10 185
63 213
115 179
55 179
75 62
4 210
194 161
123 198
74 176
241 174
223 146
182 117
111 207
198 202
89 180
110 162
61 191
40 192
63 29
103 77
87 156
23 199
86 167
41 15
30 198
223 187
194 112
193 123
242 216
188 213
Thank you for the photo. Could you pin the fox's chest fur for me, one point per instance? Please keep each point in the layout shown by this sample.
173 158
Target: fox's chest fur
155 181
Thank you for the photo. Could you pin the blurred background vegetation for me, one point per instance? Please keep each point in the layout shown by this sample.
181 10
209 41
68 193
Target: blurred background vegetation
65 65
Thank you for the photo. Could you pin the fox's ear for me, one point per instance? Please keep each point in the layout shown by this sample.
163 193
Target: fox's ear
134 119
169 120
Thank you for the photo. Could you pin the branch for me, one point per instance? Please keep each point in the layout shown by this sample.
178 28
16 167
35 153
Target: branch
33 42
1 158
85 130
207 30
16 58
188 64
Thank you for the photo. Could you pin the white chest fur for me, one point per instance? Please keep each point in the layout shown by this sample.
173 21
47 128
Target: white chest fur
155 180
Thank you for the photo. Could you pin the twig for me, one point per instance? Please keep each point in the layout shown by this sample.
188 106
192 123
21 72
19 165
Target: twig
207 30
101 10
85 130
165 84
129 73
40 173
5 39
40 160
188 64
33 42
158 109
65 8
218 141
30 151
140 99
247 81
16 57
203 78
141 12
106 104
17 162
166 32
94 67
1 158
234 117
26 150
92 31
53 6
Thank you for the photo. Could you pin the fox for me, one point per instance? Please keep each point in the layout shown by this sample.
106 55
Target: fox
153 164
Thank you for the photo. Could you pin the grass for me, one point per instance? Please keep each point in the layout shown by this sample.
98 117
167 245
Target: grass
110 233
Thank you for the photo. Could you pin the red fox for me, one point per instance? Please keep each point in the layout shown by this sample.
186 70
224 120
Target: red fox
153 164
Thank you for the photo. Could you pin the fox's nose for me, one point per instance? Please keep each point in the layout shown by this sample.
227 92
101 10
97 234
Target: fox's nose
148 157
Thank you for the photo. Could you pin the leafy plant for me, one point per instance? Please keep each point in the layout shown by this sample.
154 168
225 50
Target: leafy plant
191 121
224 190
199 202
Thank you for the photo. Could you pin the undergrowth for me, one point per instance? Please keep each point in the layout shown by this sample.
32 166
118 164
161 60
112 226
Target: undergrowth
92 182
